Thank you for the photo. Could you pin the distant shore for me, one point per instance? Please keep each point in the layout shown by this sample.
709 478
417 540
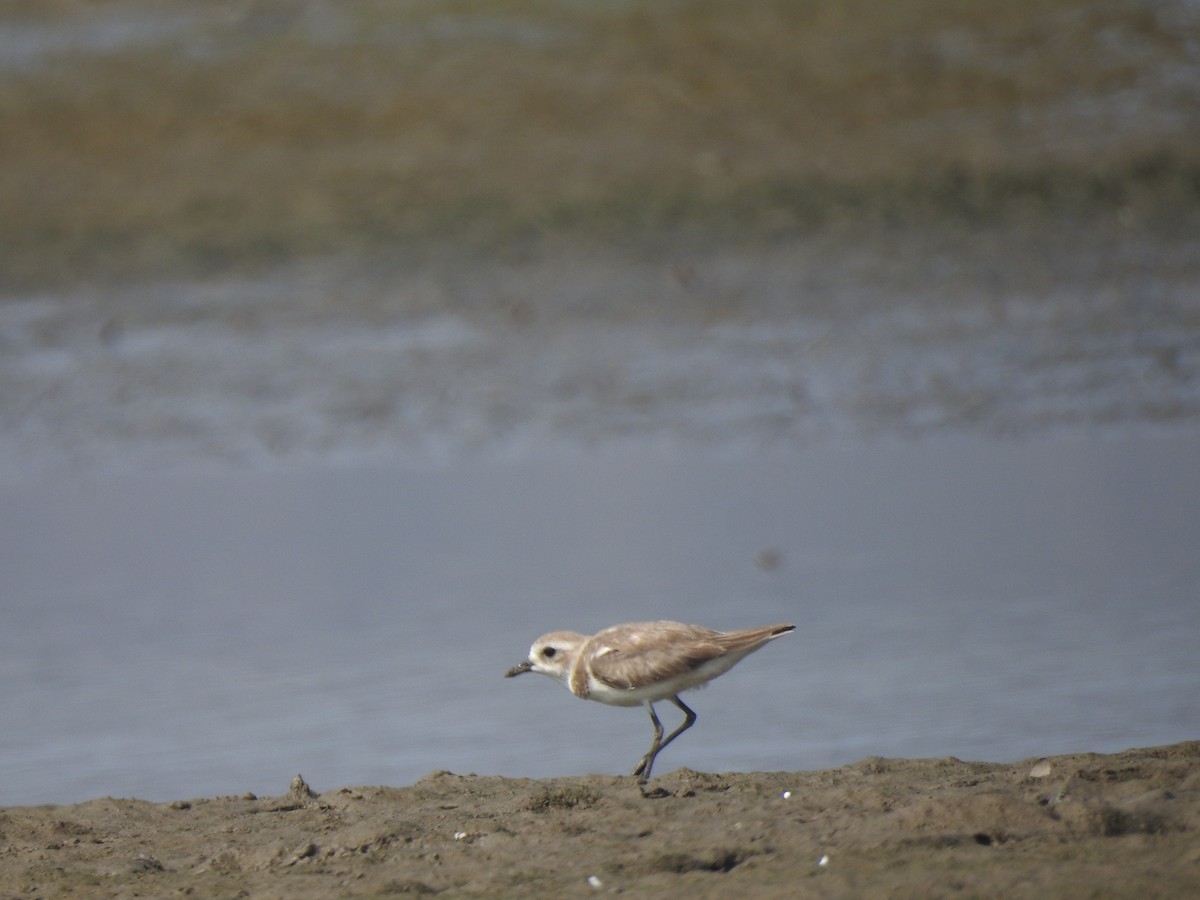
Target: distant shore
145 143
1122 824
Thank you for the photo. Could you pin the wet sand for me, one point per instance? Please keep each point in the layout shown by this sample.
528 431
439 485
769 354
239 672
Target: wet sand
1082 825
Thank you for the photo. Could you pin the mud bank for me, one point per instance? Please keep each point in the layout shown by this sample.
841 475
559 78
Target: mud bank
1080 825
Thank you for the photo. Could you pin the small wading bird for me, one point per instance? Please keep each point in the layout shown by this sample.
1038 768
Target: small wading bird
641 662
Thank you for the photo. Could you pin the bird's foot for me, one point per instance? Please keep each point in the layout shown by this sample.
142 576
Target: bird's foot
642 770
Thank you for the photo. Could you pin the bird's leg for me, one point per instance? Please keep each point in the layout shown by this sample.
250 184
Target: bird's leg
688 722
643 768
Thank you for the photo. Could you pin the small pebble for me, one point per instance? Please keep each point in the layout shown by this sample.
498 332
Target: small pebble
1040 769
595 882
786 794
144 862
823 861
460 835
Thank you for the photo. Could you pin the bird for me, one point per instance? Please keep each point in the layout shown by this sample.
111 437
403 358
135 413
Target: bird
639 663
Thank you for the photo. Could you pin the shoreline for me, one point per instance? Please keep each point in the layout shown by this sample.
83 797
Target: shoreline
1075 825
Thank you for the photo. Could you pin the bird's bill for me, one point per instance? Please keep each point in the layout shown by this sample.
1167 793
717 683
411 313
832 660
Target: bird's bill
519 669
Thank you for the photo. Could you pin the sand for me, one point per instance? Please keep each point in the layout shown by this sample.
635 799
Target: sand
1083 825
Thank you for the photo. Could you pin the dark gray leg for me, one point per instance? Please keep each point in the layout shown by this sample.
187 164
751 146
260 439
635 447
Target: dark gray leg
648 759
647 763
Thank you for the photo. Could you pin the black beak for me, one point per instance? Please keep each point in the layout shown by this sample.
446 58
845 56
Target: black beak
519 669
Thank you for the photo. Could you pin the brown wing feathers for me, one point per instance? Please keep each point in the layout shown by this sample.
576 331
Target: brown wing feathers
643 652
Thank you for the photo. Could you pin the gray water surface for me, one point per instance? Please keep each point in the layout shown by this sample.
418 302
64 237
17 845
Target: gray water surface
172 636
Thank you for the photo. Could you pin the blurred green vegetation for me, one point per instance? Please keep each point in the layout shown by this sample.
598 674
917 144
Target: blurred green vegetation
253 134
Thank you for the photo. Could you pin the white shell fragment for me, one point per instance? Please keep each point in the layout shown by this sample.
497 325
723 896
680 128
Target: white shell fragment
595 882
1040 769
824 860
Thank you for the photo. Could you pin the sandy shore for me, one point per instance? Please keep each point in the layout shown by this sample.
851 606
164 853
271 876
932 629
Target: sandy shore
1069 826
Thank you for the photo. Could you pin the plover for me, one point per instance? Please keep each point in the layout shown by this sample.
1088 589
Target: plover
641 662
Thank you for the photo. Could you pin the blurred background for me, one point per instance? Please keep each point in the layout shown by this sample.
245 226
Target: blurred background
346 347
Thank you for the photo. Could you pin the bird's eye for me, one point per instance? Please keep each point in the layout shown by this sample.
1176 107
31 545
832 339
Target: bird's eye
549 652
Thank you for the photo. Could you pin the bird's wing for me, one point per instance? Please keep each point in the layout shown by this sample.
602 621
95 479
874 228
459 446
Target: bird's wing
631 656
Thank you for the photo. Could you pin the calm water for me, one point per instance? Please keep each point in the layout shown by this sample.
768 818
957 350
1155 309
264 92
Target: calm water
173 636
303 521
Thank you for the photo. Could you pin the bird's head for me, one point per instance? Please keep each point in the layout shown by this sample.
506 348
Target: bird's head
552 654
